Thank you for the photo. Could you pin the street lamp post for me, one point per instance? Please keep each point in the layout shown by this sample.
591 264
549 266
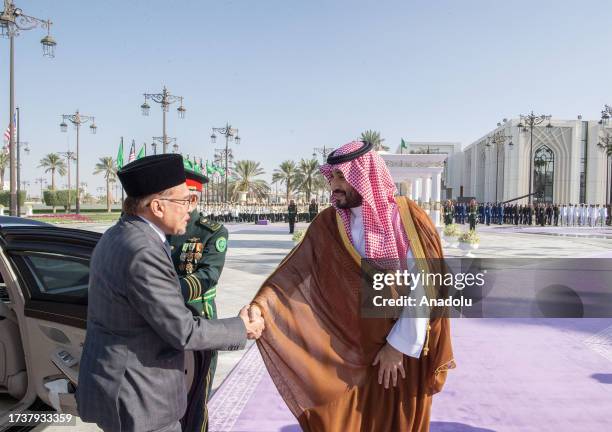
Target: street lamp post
77 119
160 140
527 123
219 158
323 151
19 144
165 99
605 144
83 188
25 183
100 190
116 190
26 149
230 134
42 181
69 155
12 22
499 140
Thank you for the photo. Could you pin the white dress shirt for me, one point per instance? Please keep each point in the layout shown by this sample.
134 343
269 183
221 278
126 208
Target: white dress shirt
408 333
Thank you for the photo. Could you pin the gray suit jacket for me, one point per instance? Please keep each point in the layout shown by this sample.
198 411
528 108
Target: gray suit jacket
131 375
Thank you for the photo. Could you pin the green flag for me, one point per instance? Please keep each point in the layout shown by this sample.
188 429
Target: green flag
187 164
143 152
120 155
209 168
403 146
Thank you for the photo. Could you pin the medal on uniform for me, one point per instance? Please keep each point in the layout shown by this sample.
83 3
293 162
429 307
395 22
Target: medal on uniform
197 256
189 256
189 268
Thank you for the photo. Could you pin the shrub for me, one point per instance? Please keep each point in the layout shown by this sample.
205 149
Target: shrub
469 237
298 235
451 230
5 198
59 198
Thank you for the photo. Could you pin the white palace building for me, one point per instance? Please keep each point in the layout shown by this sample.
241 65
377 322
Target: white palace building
567 166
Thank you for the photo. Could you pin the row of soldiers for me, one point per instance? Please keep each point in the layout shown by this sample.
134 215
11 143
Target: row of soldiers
542 214
237 213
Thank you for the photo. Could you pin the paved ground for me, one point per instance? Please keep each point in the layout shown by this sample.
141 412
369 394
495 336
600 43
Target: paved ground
537 375
512 375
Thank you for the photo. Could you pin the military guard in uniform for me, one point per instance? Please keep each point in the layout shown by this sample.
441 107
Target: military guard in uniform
199 256
313 209
473 214
449 212
291 215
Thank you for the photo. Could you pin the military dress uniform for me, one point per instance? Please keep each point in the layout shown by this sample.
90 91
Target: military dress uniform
199 256
473 216
292 215
449 213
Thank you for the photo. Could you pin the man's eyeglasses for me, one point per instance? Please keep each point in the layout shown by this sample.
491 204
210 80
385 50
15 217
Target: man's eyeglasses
192 201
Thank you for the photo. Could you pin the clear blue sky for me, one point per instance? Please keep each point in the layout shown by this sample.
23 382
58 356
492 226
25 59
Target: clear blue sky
292 75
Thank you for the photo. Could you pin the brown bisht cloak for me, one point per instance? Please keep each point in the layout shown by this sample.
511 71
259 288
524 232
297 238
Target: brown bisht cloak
318 350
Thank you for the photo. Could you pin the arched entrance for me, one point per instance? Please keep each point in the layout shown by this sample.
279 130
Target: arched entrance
543 174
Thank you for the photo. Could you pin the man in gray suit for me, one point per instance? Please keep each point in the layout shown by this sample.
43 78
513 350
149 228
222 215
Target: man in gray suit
132 375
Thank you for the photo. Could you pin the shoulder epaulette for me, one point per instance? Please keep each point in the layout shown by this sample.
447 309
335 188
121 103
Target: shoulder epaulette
209 225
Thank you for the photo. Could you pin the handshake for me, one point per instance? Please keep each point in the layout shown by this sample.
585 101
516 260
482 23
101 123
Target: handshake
253 321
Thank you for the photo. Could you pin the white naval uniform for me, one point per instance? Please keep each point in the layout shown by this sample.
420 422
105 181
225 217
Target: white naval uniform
603 215
407 334
577 216
562 214
593 216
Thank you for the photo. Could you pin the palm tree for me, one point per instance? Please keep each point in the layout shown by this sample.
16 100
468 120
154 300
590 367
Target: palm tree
307 172
286 173
245 172
320 185
374 137
53 162
107 167
4 161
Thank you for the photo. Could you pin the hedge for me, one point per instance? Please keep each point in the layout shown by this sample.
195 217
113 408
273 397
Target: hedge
5 198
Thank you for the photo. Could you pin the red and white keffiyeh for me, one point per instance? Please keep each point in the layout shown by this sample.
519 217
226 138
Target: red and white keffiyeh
384 236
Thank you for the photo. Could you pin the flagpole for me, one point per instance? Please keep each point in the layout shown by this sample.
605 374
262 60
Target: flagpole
12 143
18 166
122 198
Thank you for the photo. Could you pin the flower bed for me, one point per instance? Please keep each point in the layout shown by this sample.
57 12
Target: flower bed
62 218
298 235
451 230
469 237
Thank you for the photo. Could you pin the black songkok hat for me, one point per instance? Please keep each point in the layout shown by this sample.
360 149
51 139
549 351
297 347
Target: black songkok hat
152 174
334 159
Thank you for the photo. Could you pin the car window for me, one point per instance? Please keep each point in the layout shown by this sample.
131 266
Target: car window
58 275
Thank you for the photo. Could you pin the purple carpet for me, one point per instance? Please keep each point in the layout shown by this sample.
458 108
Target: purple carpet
512 375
